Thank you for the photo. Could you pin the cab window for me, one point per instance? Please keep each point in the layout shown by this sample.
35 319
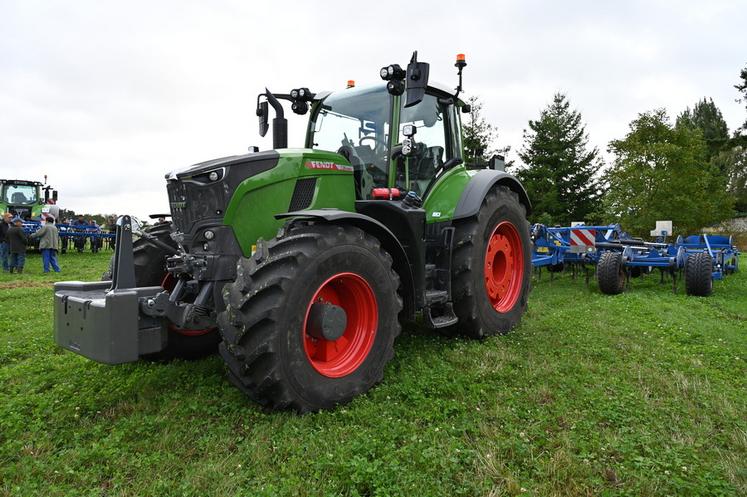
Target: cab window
20 194
433 148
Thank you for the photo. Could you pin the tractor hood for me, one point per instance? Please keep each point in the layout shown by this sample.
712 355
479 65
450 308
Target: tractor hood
215 164
199 195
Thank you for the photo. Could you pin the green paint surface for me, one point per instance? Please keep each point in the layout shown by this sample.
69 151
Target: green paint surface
252 209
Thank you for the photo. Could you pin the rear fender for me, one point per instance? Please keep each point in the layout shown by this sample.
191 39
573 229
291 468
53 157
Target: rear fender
479 186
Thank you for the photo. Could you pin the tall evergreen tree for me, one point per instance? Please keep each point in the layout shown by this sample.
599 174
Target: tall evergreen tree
479 135
708 118
662 172
560 169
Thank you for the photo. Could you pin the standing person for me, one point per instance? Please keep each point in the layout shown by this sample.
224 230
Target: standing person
95 230
49 241
80 227
17 241
65 237
4 251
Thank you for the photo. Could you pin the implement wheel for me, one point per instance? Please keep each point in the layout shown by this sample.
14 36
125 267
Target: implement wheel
699 274
611 273
311 318
150 270
492 266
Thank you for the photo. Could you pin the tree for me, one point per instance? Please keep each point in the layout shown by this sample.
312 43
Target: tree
742 88
560 170
706 117
661 172
479 135
734 162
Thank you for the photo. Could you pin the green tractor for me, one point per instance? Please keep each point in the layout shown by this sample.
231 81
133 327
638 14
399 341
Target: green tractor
27 199
299 265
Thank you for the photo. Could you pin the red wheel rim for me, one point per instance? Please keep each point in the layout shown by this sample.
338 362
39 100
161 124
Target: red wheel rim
338 358
504 267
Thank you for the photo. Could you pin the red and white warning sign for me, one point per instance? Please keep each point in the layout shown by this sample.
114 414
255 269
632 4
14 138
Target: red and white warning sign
582 239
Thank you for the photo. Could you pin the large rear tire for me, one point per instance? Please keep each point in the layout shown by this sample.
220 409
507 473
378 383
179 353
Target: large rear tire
150 270
274 344
492 266
699 274
611 273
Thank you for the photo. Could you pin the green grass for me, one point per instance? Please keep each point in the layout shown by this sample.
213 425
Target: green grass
638 394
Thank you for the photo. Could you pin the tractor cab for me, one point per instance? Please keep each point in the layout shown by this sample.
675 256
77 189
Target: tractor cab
367 125
20 197
26 199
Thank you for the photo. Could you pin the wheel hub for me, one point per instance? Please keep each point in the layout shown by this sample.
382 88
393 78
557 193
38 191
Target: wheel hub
326 321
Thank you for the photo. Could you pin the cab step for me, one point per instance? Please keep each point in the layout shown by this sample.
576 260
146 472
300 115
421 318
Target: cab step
444 319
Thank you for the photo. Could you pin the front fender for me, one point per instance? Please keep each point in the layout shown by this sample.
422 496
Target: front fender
389 242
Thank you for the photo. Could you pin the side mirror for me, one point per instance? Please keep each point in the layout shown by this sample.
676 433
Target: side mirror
46 195
54 195
417 80
263 113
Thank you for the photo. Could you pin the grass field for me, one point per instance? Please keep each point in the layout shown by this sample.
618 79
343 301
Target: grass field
639 394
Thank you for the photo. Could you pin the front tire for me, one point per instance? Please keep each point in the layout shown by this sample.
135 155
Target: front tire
273 349
491 266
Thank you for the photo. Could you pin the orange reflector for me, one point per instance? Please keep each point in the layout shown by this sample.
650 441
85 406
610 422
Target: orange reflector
460 57
351 83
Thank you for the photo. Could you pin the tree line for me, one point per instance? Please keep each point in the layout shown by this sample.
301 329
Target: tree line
691 170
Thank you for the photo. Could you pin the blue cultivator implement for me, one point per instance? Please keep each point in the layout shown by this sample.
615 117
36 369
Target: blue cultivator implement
619 257
700 258
720 248
75 234
575 247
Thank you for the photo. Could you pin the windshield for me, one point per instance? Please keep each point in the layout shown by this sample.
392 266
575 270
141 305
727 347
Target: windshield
19 194
355 124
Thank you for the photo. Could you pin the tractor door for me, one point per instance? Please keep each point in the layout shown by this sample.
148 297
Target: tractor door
437 141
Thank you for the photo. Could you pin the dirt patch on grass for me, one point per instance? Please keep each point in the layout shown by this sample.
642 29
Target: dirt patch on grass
9 285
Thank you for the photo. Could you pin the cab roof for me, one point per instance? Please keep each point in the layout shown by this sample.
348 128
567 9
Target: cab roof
20 182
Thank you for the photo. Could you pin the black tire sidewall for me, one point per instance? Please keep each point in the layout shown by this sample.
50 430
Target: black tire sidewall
493 320
315 387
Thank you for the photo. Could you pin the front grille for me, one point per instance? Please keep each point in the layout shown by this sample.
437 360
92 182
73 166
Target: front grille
191 202
22 212
303 194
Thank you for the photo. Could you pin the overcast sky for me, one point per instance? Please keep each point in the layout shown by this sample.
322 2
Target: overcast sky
106 97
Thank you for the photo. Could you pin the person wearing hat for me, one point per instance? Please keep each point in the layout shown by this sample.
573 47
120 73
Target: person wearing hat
49 242
17 241
4 252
